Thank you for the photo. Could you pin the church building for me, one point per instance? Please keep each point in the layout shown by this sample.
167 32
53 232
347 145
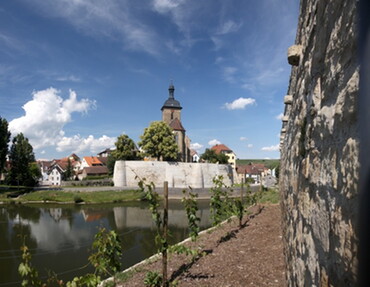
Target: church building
171 114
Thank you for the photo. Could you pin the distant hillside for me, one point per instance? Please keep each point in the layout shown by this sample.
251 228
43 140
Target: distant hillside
270 163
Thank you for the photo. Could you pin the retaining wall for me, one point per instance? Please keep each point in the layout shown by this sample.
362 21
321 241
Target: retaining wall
320 148
178 174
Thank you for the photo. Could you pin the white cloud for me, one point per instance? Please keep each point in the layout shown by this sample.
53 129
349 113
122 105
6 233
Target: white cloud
243 138
240 103
271 148
279 116
249 145
214 142
108 19
228 27
164 6
196 146
79 144
45 117
70 78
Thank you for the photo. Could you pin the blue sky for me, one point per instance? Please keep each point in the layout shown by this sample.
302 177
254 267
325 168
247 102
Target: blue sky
75 74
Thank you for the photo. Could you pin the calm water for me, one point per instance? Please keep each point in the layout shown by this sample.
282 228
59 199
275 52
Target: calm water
60 237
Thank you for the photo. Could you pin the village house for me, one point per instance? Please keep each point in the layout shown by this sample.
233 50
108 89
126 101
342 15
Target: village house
221 148
256 172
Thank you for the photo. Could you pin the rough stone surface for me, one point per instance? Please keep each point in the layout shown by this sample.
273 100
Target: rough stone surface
177 174
320 151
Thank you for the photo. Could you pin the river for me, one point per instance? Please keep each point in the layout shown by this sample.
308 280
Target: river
60 237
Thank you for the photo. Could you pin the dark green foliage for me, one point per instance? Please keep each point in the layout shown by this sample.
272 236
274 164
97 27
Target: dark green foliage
110 164
30 276
159 142
153 279
21 158
125 149
4 142
220 203
108 251
68 174
277 171
212 157
105 260
191 208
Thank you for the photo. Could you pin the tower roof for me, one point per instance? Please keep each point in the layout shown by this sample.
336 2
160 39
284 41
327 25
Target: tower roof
171 103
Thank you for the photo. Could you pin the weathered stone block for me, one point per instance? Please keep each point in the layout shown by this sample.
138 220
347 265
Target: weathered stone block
288 99
294 54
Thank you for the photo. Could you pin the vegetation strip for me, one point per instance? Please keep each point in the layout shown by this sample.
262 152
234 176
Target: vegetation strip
157 256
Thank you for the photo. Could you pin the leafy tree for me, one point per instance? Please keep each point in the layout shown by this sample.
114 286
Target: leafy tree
211 156
4 141
125 149
158 141
21 157
67 175
110 164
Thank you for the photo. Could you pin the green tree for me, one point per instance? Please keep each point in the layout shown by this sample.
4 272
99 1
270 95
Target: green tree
158 141
21 157
211 156
67 175
4 141
125 149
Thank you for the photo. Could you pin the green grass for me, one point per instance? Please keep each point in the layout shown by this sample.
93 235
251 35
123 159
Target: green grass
71 197
270 196
269 163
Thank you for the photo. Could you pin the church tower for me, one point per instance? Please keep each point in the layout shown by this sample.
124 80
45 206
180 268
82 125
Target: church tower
171 114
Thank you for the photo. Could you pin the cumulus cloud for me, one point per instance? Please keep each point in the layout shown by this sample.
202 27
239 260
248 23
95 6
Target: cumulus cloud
271 148
196 146
279 116
214 142
249 145
45 117
80 144
240 104
243 138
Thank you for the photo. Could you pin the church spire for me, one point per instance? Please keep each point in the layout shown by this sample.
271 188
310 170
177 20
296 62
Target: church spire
171 91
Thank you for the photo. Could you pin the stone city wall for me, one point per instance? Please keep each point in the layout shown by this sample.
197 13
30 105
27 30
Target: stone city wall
320 147
178 174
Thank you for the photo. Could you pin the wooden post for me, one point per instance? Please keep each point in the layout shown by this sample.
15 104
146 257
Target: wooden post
241 191
165 245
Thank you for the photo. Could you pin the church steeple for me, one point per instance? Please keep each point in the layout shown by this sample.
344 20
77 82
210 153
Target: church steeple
171 103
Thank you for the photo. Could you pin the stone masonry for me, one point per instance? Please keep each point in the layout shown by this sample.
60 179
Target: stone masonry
320 147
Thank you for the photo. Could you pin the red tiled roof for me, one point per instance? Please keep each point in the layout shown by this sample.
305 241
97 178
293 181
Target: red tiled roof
219 148
93 161
176 125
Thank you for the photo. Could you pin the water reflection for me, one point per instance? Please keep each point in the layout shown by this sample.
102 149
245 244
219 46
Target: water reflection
60 237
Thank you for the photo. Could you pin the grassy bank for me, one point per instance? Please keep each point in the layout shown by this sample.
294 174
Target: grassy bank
60 196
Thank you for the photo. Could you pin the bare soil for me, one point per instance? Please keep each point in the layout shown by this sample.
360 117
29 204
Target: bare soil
248 256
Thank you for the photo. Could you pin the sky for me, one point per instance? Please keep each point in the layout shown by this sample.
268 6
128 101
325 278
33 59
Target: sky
76 74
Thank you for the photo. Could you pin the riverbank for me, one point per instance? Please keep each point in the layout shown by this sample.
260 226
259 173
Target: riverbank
94 195
233 256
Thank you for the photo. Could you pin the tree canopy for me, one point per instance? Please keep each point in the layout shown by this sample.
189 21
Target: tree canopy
212 157
22 159
125 149
158 141
4 143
